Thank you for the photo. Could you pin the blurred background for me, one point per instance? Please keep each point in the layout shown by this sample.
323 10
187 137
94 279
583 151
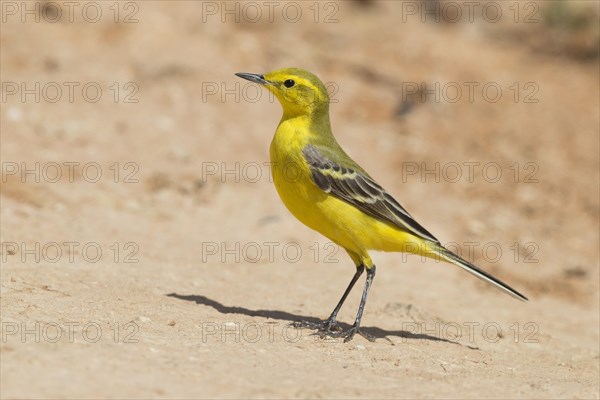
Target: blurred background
136 195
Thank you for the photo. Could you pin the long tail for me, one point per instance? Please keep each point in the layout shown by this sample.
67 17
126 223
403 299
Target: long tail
467 266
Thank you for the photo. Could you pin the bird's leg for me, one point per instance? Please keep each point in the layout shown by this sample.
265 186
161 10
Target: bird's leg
330 323
349 334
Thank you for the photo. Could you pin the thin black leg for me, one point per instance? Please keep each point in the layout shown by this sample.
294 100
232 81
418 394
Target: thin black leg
363 300
330 324
349 334
359 271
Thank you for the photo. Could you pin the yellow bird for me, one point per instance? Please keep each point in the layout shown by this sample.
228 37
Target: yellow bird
330 193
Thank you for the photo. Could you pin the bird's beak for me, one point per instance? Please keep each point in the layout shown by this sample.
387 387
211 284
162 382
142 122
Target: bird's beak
256 78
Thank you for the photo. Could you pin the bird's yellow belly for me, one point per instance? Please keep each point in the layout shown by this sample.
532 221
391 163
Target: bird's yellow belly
335 219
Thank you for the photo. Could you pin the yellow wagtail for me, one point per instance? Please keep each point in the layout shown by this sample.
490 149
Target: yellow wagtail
330 193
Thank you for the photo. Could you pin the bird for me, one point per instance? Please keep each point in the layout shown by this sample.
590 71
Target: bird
329 192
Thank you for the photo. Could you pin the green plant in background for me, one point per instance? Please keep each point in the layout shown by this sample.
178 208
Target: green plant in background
570 15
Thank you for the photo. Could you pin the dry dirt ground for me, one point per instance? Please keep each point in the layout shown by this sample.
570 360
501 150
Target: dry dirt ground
176 272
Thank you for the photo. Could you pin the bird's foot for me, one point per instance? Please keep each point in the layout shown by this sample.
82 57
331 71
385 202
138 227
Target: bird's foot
323 328
330 328
349 334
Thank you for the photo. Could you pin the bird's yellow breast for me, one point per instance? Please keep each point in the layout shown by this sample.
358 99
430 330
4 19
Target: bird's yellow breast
291 175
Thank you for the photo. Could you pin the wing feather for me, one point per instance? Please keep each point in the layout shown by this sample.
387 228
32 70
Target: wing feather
359 189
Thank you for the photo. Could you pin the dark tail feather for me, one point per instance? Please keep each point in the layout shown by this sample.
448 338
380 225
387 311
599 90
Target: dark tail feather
467 266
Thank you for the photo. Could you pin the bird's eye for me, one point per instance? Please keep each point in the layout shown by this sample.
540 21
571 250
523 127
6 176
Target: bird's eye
289 83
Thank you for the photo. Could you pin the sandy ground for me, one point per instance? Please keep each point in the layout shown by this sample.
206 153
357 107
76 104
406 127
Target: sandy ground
176 273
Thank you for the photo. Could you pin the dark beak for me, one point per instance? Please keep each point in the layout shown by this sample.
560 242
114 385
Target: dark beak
256 78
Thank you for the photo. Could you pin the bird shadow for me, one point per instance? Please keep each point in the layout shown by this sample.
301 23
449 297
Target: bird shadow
290 317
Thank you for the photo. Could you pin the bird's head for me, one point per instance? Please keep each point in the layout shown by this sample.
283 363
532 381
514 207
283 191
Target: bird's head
299 92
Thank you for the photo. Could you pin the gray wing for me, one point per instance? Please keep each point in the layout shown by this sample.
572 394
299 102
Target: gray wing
360 190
